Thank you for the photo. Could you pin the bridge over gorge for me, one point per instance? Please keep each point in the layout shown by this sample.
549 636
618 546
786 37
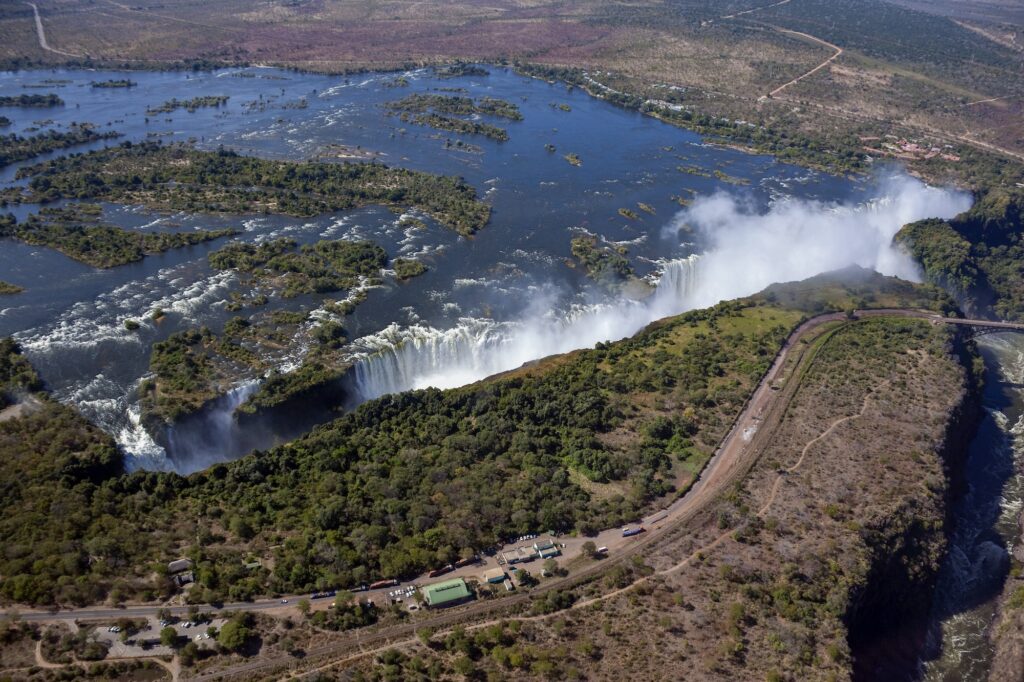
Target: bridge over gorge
976 327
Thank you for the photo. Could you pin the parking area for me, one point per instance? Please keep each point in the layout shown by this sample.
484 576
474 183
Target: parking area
145 641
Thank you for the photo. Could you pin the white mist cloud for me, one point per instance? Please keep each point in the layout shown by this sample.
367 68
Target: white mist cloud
745 252
797 239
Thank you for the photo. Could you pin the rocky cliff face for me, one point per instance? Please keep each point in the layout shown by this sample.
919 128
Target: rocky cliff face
888 614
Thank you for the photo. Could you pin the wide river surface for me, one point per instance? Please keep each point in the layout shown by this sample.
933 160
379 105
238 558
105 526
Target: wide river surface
464 318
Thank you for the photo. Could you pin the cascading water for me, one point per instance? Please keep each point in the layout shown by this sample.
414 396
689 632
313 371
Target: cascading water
400 359
213 434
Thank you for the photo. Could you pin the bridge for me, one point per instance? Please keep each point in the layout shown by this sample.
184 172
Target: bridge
976 327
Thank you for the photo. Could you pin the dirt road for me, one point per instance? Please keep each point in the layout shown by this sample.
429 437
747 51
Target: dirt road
41 33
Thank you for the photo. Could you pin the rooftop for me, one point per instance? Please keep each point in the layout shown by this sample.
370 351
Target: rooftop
446 592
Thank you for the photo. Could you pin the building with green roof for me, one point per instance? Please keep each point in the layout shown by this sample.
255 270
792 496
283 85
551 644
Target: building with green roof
447 593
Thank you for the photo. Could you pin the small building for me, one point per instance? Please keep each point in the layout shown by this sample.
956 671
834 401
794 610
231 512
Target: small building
179 565
446 593
549 553
495 575
542 545
510 557
526 554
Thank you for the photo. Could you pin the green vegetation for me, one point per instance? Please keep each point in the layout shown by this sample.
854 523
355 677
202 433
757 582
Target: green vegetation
121 83
6 288
460 69
326 266
78 232
194 367
16 374
186 376
32 101
975 256
456 106
406 268
456 125
408 482
628 214
14 148
573 159
189 105
180 178
603 263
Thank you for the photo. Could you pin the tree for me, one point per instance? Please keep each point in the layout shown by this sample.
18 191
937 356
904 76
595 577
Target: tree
303 606
551 566
589 549
189 653
424 635
164 614
233 635
168 636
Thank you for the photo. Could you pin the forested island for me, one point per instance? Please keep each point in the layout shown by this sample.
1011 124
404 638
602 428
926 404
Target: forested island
31 101
457 106
6 288
14 148
178 177
194 367
604 263
326 266
112 84
189 105
439 112
78 231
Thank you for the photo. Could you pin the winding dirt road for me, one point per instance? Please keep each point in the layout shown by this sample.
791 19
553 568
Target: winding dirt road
41 34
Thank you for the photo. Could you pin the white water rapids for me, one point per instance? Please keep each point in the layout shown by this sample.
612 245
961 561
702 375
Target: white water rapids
748 251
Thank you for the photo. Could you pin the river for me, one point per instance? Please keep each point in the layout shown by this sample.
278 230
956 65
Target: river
985 519
487 303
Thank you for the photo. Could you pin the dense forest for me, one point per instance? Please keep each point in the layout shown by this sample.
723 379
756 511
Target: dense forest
976 256
326 266
14 148
406 482
78 231
178 177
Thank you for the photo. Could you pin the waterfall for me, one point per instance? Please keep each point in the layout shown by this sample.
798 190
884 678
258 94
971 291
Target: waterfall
399 359
212 434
